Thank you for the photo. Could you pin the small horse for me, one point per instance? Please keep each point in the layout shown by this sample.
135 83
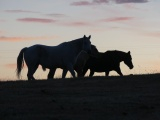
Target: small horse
107 61
61 56
81 61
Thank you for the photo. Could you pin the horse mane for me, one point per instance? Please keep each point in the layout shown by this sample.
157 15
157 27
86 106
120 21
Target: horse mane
114 51
94 47
74 42
115 54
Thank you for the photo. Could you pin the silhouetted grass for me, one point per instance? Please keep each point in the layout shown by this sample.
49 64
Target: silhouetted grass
134 97
92 78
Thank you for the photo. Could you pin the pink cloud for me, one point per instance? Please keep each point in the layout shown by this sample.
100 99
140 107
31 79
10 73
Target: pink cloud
15 39
81 3
100 1
20 11
117 19
13 65
84 3
94 2
130 1
79 23
38 20
152 34
56 15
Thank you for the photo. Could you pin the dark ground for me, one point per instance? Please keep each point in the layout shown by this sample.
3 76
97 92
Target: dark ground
100 98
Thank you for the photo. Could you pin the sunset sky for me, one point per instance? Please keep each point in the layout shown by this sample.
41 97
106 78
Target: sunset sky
126 25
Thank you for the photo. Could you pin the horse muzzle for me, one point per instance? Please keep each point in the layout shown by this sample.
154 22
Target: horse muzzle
131 67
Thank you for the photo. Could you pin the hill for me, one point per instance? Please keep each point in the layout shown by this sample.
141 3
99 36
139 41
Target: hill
134 97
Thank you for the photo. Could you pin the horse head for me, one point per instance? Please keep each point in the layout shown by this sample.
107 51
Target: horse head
87 44
94 50
128 60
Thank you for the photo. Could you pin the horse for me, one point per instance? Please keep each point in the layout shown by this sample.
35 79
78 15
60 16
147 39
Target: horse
52 57
108 61
81 61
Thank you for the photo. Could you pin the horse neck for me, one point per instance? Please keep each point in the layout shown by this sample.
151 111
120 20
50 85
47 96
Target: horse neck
97 55
121 56
77 45
101 54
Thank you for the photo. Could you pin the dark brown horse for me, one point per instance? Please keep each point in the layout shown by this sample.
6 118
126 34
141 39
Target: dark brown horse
107 61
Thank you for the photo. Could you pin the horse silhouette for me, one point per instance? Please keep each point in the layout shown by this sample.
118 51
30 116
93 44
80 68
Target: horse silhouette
81 61
108 61
61 56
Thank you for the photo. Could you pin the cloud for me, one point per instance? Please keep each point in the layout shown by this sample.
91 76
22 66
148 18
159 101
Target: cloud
13 65
117 19
76 24
130 1
84 3
95 2
81 3
56 15
152 34
2 20
20 11
100 1
38 20
16 39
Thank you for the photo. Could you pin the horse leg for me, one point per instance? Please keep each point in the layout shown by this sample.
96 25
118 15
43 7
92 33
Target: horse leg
118 70
31 71
79 73
91 73
51 73
85 69
71 70
64 73
107 73
29 74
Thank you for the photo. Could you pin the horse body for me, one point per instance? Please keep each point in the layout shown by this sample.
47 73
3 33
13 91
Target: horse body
52 57
48 57
108 61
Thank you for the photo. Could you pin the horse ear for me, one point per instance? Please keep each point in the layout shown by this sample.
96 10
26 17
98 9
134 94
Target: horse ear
84 36
129 52
89 37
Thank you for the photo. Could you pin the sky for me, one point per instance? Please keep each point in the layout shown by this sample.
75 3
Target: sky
126 25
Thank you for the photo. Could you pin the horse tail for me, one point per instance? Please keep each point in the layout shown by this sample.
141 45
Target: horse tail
20 62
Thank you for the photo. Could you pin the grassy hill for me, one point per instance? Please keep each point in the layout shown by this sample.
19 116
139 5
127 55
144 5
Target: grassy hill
134 97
